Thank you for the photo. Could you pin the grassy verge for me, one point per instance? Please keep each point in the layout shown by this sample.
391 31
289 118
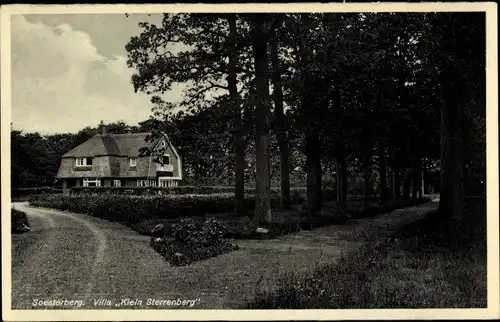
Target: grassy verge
419 267
285 222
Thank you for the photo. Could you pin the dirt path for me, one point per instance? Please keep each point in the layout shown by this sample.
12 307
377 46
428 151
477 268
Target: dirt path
106 265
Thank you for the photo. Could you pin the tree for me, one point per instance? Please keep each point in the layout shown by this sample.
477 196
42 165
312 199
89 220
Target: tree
263 26
213 56
461 57
279 120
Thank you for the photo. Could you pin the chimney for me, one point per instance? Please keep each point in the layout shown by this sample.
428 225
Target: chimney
102 128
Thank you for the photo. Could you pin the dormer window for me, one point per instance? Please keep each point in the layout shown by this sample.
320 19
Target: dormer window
83 162
133 162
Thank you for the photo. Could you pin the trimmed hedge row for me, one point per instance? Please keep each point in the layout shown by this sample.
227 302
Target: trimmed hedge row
20 192
180 190
133 209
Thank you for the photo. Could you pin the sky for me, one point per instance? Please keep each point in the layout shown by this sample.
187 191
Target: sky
70 71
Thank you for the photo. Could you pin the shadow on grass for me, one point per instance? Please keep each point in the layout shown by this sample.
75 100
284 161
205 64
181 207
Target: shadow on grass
285 222
418 267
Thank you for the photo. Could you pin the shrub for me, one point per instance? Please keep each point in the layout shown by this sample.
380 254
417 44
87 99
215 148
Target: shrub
19 222
185 230
193 242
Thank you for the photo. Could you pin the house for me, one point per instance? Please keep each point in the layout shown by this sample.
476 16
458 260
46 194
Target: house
115 160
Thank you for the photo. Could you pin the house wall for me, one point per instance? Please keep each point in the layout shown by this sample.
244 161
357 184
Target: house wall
129 182
140 170
100 168
173 161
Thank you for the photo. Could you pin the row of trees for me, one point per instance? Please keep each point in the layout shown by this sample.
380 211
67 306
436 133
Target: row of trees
395 92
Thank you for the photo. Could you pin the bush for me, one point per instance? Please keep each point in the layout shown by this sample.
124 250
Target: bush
193 242
19 222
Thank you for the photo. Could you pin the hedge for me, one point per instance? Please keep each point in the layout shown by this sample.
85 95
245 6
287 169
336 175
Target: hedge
180 190
20 192
133 209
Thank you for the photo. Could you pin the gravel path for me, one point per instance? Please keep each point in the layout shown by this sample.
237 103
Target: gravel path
99 264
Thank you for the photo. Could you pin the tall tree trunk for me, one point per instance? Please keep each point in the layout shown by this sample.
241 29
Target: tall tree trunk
451 197
406 183
319 180
383 172
313 186
280 127
341 180
239 142
367 181
416 176
263 185
396 186
390 189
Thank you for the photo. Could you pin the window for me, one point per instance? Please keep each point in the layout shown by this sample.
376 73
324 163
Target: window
91 182
117 183
142 183
152 183
83 162
133 162
165 159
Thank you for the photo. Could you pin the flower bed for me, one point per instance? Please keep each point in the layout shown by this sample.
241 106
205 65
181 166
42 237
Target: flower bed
189 241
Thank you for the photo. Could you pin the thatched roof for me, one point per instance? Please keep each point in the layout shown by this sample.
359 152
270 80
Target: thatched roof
127 145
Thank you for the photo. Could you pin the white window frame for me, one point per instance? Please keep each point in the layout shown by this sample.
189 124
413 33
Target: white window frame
133 162
117 183
142 183
86 182
152 183
82 162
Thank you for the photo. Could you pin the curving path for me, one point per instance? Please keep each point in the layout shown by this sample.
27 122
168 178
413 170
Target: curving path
106 265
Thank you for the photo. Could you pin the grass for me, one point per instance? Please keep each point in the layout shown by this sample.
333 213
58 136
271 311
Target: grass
284 222
419 267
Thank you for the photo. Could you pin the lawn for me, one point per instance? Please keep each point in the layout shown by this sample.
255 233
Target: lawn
417 268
